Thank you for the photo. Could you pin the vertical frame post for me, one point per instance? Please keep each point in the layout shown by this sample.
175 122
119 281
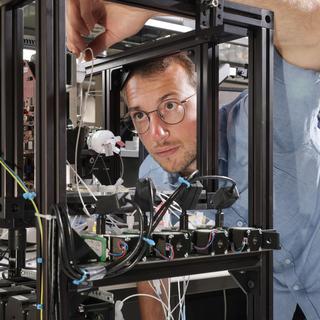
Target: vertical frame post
50 119
260 149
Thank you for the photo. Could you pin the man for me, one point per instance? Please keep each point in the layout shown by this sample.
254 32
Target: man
296 145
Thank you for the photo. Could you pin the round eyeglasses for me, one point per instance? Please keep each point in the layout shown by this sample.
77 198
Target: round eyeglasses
170 111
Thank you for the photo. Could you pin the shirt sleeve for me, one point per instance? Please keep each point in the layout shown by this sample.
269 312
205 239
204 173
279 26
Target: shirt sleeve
296 107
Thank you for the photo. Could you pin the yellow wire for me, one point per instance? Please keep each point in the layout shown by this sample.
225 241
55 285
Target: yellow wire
37 214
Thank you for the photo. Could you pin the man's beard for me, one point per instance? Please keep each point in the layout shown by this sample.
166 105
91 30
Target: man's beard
188 158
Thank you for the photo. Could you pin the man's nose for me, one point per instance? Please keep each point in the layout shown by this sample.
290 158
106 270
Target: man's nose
157 128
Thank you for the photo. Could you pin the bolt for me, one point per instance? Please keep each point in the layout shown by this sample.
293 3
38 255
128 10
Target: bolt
250 284
254 240
186 255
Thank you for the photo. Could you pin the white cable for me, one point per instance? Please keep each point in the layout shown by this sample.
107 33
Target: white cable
175 205
180 317
94 91
154 289
82 113
116 229
225 303
149 296
183 296
159 296
122 167
169 299
182 304
81 180
117 222
172 212
185 287
164 289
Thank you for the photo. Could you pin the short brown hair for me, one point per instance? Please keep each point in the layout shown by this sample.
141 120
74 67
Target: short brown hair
159 65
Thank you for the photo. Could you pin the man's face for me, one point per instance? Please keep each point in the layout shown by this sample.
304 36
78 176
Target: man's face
174 147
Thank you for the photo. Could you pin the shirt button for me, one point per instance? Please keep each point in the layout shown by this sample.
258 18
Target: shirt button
287 261
239 223
295 287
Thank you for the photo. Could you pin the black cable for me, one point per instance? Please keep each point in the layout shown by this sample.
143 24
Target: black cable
53 271
59 308
4 265
70 261
107 171
151 202
166 205
70 237
93 165
3 253
116 265
128 268
214 177
67 263
111 274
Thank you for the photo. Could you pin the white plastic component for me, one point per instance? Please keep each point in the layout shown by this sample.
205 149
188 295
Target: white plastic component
131 149
130 221
81 72
224 71
119 182
103 141
117 310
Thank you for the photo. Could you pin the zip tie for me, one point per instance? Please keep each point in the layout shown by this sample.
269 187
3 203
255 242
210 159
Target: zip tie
39 260
82 279
29 195
39 306
184 181
150 242
45 216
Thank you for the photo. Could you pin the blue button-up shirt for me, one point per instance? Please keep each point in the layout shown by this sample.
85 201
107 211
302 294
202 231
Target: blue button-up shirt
296 170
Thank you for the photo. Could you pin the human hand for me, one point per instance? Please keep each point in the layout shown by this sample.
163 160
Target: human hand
297 29
119 21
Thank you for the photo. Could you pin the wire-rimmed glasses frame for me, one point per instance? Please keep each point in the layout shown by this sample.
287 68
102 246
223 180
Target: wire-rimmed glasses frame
170 111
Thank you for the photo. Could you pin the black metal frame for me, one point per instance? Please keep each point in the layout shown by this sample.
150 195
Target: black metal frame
50 117
253 270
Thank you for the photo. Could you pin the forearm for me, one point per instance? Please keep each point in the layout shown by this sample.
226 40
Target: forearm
297 29
151 308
